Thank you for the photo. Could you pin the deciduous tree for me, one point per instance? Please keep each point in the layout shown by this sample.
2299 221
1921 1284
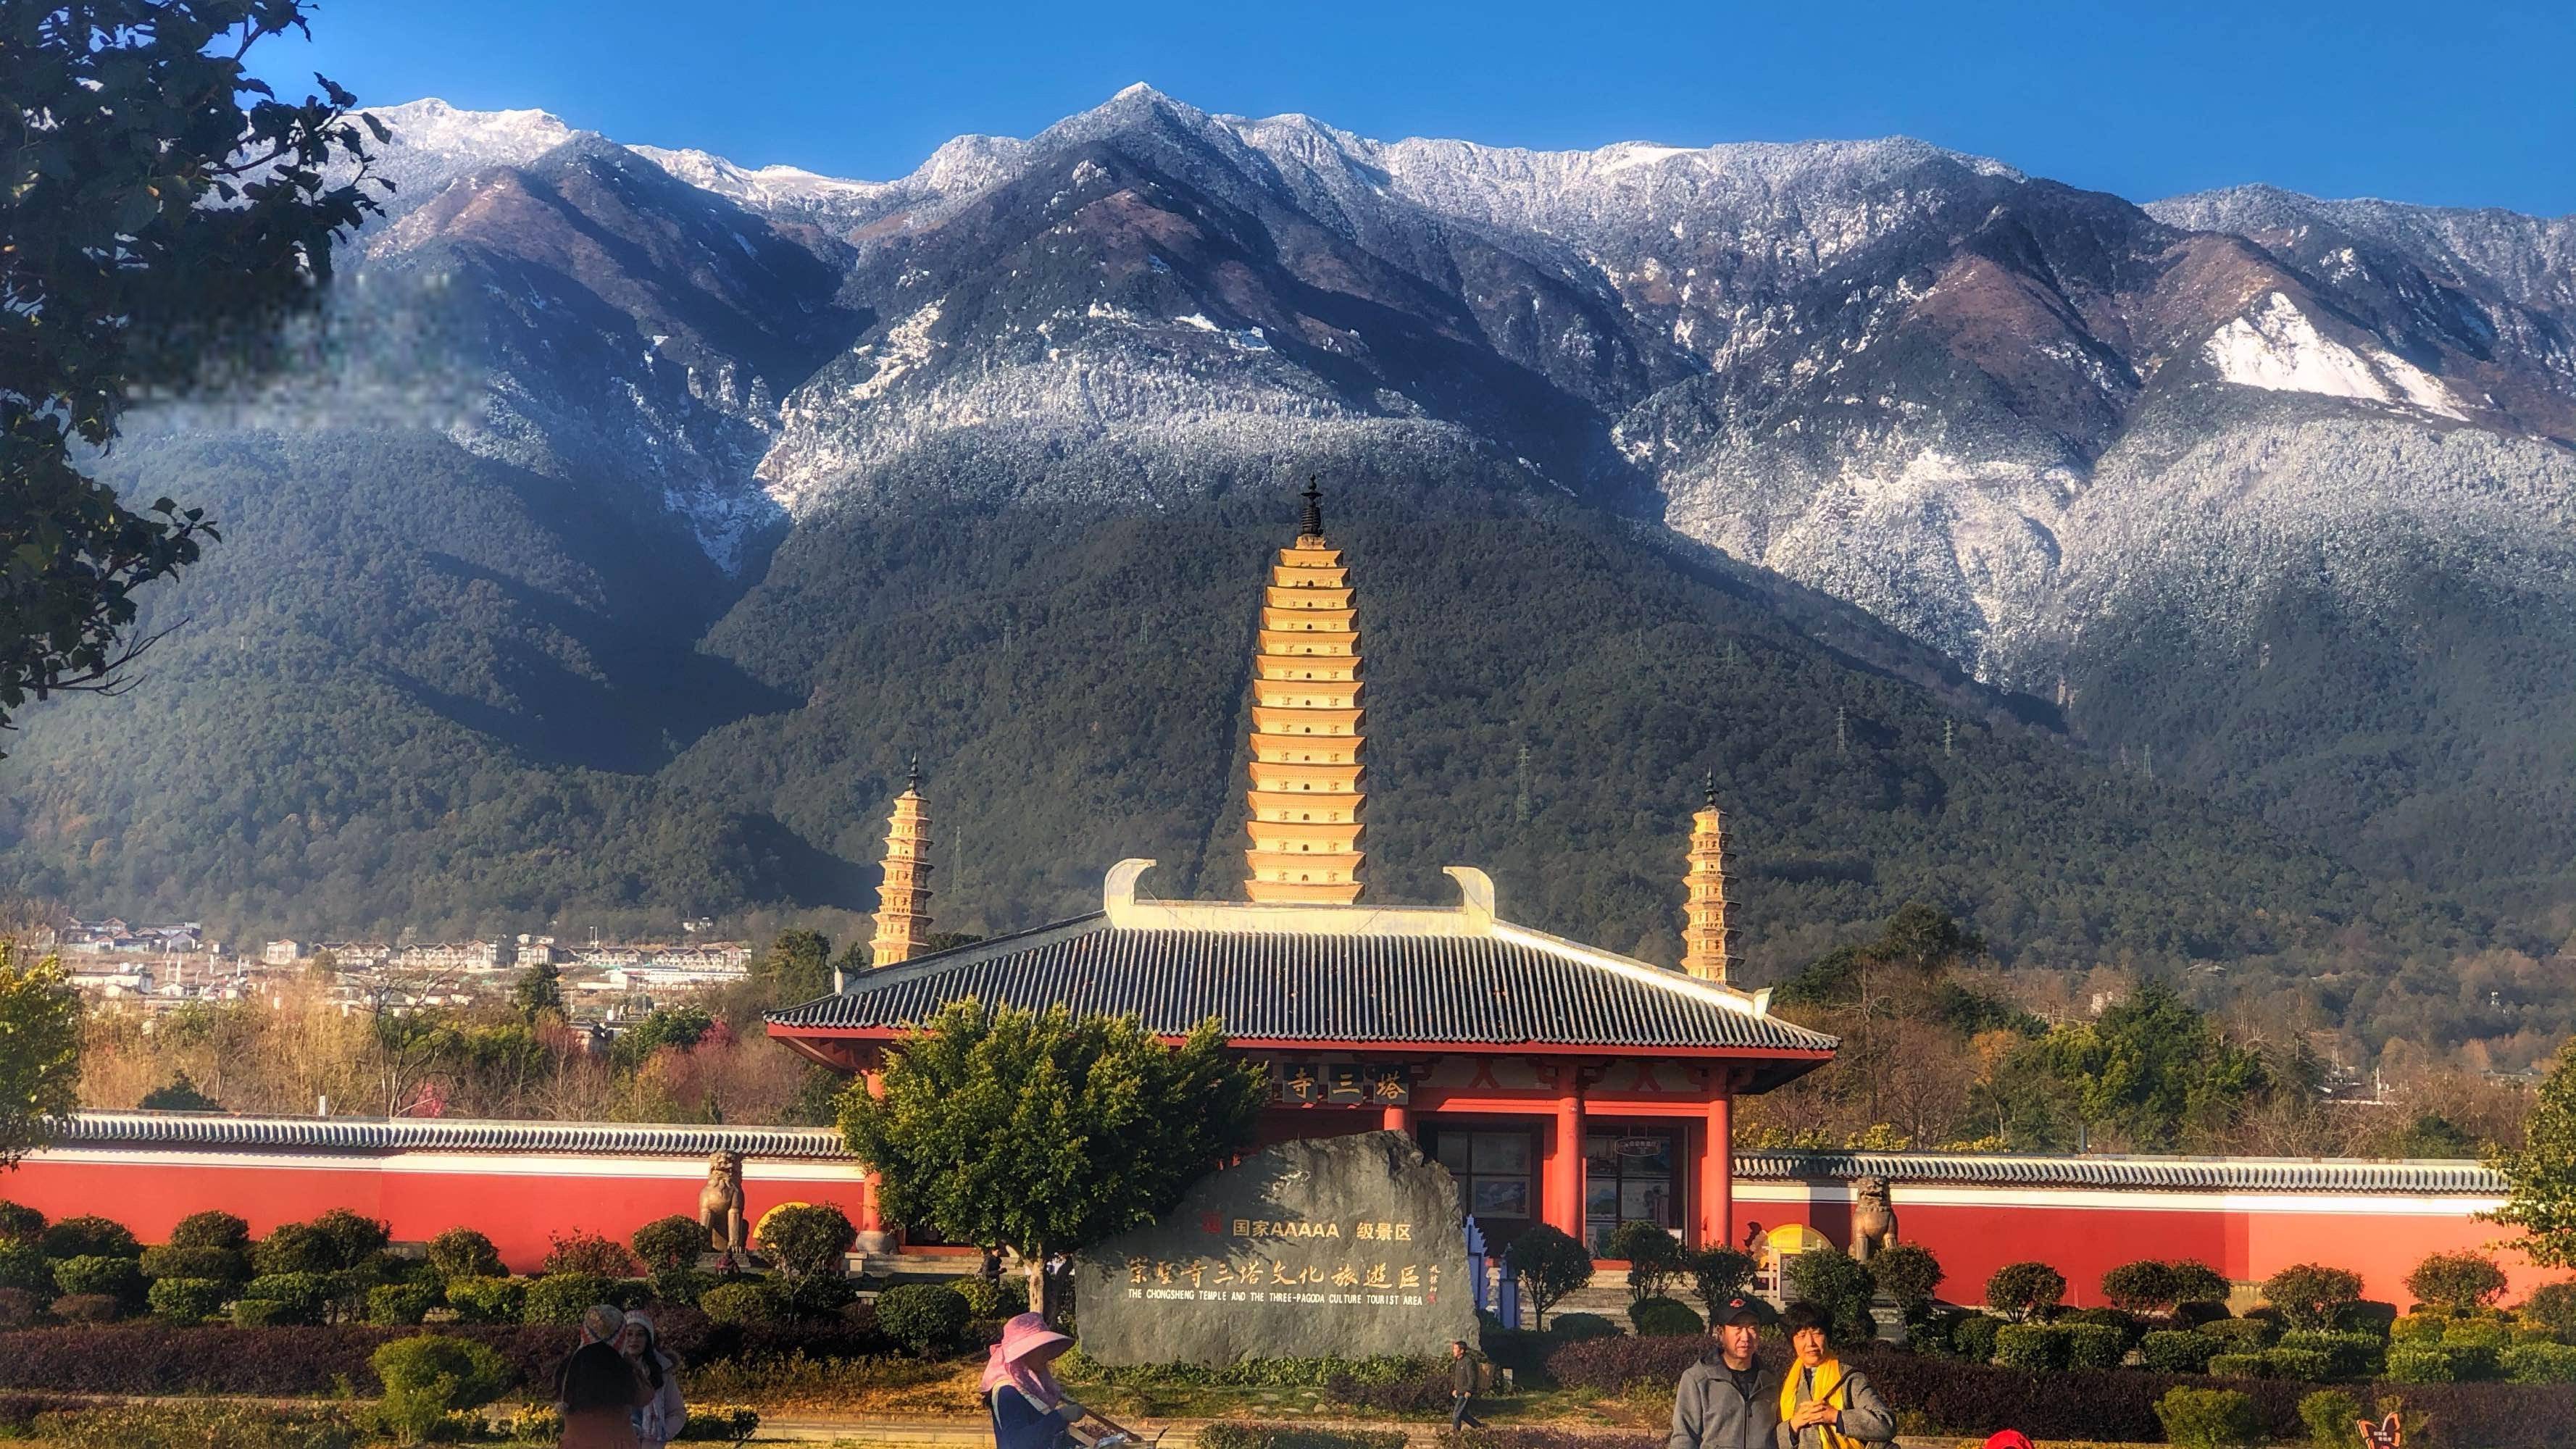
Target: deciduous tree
40 1045
1041 1131
164 212
2542 1172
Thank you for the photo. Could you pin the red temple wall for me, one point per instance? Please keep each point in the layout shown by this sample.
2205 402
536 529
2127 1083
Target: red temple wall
2085 1233
516 1201
520 1200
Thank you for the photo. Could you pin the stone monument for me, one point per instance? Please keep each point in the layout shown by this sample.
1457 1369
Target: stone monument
1349 1246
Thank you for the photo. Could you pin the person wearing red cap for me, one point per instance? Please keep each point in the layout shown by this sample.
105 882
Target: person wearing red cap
1728 1400
1028 1406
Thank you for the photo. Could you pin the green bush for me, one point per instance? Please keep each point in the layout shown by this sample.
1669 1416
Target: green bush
2093 1345
807 1238
20 1223
2209 1419
261 1313
400 1305
2416 1363
2243 1334
2329 1415
2172 1351
755 1300
2130 1326
1653 1255
2240 1366
2418 1328
488 1300
2025 1290
188 1300
2034 1347
224 1265
1576 1327
1237 1434
183 1424
2553 1306
2474 1362
2540 1363
982 1298
1973 1337
2366 1316
295 1248
428 1376
824 1295
1665 1318
2308 1295
1908 1274
464 1253
926 1318
1829 1279
562 1298
353 1239
681 1286
2141 1287
211 1229
2457 1281
2476 1333
669 1244
2348 1355
2305 1365
89 1236
303 1294
116 1278
23 1266
1550 1265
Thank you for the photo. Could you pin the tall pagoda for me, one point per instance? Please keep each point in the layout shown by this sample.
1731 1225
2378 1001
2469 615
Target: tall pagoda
1304 805
903 897
1708 940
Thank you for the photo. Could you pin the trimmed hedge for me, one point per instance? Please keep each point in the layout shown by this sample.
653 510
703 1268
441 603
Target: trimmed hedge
2347 1355
1973 1337
2540 1363
2243 1335
144 1358
923 1317
2308 1365
2094 1345
115 1278
1665 1318
224 1265
189 1300
2210 1419
2240 1366
2033 1347
562 1298
1612 1364
488 1300
2174 1351
398 1305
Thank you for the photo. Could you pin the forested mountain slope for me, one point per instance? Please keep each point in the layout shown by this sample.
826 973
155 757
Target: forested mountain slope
639 514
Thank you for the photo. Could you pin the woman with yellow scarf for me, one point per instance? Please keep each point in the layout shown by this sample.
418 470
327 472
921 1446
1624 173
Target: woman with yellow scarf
1824 1405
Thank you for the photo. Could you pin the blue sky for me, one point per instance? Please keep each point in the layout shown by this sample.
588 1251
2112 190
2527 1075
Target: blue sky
2457 105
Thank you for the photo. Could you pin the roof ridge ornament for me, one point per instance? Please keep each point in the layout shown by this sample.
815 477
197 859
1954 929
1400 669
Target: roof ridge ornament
1312 524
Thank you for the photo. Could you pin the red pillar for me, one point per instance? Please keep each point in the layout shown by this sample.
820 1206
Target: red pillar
1398 1119
1717 1173
1565 1158
871 1216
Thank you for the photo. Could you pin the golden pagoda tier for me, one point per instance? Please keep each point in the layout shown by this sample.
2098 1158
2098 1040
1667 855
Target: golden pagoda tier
903 898
1708 940
1303 810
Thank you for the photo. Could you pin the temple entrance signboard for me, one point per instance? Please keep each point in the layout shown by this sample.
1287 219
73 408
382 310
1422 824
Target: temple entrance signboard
1350 1246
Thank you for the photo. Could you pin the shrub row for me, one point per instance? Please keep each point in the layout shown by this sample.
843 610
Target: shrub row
154 1358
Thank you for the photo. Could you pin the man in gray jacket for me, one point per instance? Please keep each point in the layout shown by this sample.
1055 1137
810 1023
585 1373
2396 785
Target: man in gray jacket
1727 1400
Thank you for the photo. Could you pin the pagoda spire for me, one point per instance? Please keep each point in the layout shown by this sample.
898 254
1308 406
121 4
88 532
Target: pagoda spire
903 896
1303 810
1708 941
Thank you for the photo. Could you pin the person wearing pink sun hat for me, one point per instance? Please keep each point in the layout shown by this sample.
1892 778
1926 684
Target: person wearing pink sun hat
1029 1408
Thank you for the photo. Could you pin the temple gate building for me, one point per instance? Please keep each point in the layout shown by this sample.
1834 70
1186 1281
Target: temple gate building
1560 1082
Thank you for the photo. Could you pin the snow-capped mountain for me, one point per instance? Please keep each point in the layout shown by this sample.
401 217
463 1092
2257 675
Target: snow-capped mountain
2154 465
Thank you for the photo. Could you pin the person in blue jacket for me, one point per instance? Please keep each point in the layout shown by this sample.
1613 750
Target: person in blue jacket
1029 1408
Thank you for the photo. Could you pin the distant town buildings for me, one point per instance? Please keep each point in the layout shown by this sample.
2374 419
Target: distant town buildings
120 966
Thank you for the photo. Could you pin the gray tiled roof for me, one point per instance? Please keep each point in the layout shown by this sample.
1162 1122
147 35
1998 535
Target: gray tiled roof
1482 990
436 1134
376 1135
2207 1174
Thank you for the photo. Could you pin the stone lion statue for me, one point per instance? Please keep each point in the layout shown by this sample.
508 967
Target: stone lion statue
1873 1218
720 1202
